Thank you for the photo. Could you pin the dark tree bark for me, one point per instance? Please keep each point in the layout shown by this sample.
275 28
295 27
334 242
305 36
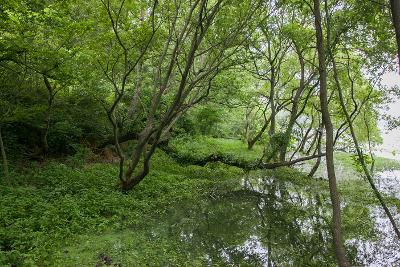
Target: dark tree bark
326 119
318 150
274 165
193 84
50 100
252 141
4 158
314 139
272 126
295 107
395 9
306 135
237 163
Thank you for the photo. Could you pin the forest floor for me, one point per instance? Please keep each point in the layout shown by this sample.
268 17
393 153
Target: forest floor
71 213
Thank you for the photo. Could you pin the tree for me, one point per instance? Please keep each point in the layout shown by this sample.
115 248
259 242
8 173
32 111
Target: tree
349 119
299 35
4 158
196 43
395 9
43 41
326 119
267 54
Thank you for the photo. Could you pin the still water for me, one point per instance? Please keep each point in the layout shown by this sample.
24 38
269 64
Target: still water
384 250
274 223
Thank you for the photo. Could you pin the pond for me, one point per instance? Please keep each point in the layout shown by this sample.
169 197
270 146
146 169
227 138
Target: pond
273 223
266 223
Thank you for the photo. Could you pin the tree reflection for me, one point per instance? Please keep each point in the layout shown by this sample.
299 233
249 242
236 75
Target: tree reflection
267 223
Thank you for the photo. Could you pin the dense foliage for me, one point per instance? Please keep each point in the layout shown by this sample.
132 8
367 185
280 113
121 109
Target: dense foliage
112 111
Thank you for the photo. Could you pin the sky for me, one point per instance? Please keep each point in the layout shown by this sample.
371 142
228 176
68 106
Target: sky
391 140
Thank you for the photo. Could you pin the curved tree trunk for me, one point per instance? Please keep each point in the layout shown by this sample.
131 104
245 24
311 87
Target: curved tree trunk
295 108
289 129
252 141
306 135
314 137
326 119
395 9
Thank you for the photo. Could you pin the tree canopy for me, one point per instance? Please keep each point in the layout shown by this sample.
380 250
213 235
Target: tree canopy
122 78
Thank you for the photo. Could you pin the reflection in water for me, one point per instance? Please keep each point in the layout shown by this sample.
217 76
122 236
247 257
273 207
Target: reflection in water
384 250
389 183
275 223
267 223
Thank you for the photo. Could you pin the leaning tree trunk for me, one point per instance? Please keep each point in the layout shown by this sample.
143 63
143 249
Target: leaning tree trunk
253 141
318 150
306 135
395 9
358 149
4 157
272 126
295 107
312 143
289 130
334 195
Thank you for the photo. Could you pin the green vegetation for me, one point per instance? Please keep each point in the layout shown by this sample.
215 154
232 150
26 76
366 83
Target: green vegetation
201 147
61 215
381 164
57 202
198 133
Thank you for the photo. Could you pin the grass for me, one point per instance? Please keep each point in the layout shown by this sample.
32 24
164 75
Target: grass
201 147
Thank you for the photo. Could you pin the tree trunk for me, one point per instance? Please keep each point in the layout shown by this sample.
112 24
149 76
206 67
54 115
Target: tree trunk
294 110
252 142
306 135
4 157
395 8
138 90
272 102
314 139
272 127
275 165
247 125
319 151
289 129
50 100
326 119
358 149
